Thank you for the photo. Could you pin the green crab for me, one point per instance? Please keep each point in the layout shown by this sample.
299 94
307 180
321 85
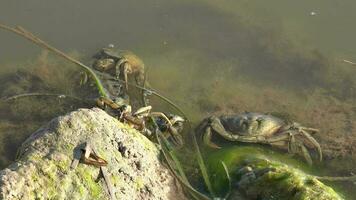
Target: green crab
263 129
117 62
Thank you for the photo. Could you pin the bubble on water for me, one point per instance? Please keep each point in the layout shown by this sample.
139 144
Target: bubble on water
312 13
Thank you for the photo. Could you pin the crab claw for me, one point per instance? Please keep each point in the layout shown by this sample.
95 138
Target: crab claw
205 133
207 139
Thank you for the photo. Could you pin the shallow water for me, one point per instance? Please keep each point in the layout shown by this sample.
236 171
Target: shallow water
210 57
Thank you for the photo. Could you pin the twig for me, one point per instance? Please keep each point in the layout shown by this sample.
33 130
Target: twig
349 62
108 182
60 96
336 178
228 179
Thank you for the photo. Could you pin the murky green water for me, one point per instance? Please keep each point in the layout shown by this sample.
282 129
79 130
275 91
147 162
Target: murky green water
209 56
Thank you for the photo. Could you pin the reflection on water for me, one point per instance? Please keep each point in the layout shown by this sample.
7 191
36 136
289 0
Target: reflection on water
209 57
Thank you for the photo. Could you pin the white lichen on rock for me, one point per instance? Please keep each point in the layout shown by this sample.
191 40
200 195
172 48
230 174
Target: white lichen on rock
42 170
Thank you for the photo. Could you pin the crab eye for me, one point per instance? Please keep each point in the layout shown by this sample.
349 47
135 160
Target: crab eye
259 121
244 126
240 122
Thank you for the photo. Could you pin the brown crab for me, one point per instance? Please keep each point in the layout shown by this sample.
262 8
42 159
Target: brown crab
117 62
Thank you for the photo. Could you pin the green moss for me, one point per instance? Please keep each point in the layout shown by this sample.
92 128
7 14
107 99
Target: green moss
34 156
67 146
139 183
148 145
116 180
81 190
62 165
95 189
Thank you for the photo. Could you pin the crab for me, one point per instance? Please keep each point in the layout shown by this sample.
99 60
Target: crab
167 123
120 62
263 129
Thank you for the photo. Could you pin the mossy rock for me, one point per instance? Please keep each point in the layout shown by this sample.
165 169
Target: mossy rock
42 170
255 176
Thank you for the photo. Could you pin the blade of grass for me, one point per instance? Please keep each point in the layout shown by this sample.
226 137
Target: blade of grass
202 166
228 179
166 150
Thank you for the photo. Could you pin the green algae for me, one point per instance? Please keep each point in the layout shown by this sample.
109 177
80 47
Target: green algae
287 183
278 181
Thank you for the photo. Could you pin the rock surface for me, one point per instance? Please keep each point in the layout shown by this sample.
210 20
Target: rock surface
43 171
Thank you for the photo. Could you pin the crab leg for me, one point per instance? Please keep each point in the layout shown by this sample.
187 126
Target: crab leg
306 154
159 114
171 130
122 64
126 71
177 138
312 130
140 78
287 135
283 137
118 69
314 142
292 147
